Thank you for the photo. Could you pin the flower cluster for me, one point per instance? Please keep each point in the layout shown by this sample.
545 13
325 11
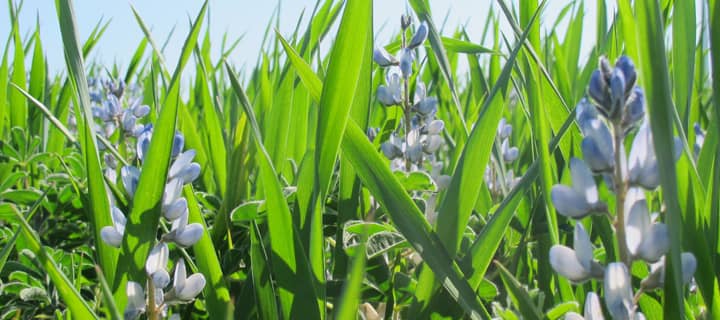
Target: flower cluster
174 209
498 176
616 110
417 145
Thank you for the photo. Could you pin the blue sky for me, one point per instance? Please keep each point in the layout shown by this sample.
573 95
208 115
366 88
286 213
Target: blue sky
236 18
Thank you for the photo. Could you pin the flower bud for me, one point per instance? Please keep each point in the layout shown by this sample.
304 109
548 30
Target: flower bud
420 35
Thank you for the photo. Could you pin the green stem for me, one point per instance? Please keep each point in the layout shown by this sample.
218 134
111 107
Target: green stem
620 192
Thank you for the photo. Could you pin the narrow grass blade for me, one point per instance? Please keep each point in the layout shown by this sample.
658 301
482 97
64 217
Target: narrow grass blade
217 295
99 206
408 219
656 83
288 259
141 229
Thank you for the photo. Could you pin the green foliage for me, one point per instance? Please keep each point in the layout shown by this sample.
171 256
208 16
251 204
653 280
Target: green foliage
303 215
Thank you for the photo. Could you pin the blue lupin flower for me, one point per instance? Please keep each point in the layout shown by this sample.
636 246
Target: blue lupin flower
645 240
577 264
597 145
611 87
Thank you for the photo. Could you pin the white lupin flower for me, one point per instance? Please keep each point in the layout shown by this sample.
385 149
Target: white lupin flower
136 301
645 240
618 291
392 148
432 144
656 279
504 129
184 289
581 199
183 168
642 161
435 127
171 192
391 93
113 235
592 311
577 264
175 209
406 60
156 265
182 233
130 177
413 148
383 58
509 154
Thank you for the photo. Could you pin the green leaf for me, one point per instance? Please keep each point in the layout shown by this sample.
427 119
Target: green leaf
141 228
295 283
656 83
408 219
99 206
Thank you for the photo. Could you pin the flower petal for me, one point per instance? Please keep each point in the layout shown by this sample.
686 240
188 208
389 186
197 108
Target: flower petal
656 243
583 181
419 37
110 236
593 310
569 202
193 286
583 247
618 291
564 261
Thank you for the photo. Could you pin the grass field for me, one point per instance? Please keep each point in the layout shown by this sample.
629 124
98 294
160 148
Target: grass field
433 176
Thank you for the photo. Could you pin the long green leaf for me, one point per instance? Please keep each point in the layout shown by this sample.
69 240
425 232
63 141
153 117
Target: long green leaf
99 206
141 229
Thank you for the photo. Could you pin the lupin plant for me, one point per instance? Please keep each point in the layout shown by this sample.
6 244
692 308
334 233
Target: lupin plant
616 109
416 146
154 300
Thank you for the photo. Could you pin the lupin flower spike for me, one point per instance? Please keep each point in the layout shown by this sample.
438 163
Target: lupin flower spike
113 235
577 264
611 87
581 199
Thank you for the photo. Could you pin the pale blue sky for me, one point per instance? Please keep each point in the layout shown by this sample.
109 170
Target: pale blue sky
234 17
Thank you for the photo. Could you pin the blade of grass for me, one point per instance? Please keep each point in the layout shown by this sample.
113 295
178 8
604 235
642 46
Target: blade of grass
99 206
655 78
217 295
288 260
141 228
408 219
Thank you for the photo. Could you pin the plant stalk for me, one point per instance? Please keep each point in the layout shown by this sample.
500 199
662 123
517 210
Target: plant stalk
620 185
